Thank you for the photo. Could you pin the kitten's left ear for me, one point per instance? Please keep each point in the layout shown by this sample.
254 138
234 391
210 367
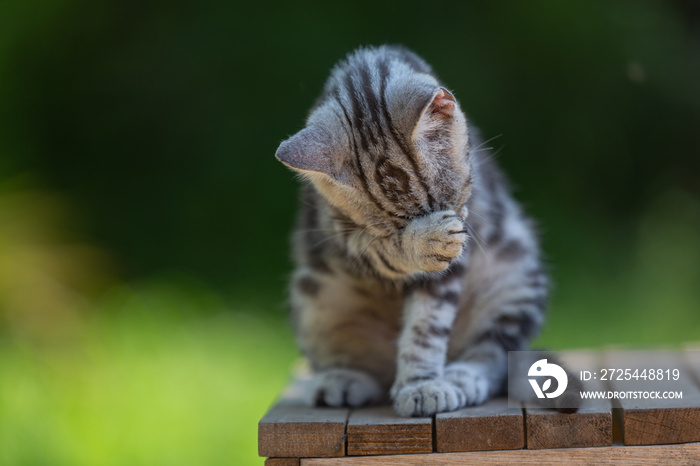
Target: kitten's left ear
442 105
310 151
439 111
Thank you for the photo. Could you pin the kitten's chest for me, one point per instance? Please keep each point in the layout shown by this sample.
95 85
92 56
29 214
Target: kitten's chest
381 301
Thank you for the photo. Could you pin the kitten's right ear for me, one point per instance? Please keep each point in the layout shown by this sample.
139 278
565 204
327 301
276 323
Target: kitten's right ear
309 151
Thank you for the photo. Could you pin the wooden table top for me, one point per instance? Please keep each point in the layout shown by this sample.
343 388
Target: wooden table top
292 433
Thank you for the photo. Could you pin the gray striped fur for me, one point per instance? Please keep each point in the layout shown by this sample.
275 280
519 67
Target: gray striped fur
416 271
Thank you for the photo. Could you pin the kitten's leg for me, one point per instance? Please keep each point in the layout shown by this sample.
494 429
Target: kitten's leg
506 287
510 320
420 387
347 335
344 387
431 243
480 371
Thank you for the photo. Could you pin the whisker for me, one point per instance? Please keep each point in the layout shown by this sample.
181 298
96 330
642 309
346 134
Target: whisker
338 233
494 155
328 238
486 142
489 155
483 149
474 212
477 238
325 230
365 248
308 204
370 225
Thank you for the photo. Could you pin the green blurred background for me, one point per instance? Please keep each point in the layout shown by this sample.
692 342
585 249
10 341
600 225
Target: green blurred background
144 221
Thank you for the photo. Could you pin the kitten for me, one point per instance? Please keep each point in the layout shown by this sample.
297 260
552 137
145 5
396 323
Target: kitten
416 271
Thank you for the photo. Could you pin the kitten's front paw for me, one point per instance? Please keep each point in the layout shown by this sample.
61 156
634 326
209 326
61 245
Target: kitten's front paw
471 380
437 239
428 397
344 387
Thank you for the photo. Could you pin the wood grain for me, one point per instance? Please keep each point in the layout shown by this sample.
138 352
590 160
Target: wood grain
293 434
380 431
670 421
550 429
292 429
492 426
590 426
282 462
687 454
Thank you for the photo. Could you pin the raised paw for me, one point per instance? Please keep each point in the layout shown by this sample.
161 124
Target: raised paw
344 387
428 397
437 239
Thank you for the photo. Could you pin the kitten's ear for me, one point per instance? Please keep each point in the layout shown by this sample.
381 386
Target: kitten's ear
439 110
309 151
442 105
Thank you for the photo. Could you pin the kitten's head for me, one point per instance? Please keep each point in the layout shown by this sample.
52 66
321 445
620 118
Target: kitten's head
385 143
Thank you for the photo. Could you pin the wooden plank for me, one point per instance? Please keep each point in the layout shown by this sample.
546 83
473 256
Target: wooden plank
676 421
292 429
587 428
590 426
380 431
491 426
282 462
686 454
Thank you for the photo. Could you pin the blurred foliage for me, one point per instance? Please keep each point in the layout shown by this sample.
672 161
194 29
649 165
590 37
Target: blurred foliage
44 274
144 219
158 377
159 121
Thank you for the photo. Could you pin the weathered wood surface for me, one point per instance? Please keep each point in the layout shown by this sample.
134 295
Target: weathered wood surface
686 454
492 426
292 429
676 421
591 426
282 462
380 431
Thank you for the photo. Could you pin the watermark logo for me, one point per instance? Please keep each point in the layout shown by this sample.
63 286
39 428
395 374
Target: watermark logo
649 379
542 368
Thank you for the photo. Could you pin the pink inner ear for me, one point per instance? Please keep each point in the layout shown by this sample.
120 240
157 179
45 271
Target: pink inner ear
443 104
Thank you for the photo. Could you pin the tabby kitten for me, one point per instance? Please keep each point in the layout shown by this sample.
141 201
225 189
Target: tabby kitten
395 291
